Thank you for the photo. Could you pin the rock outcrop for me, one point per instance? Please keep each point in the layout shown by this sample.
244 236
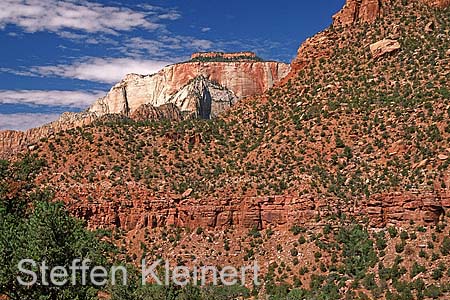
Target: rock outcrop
312 49
367 11
396 209
384 47
235 79
202 98
421 207
358 11
437 3
353 12
250 212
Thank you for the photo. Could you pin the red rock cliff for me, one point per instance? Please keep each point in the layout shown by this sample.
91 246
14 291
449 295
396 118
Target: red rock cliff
259 212
367 11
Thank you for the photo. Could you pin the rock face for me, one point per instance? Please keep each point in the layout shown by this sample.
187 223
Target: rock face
235 79
358 11
202 98
382 210
251 212
367 11
422 207
384 47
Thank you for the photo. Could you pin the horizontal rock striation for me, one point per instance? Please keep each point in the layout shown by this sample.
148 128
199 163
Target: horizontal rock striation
421 207
382 210
253 212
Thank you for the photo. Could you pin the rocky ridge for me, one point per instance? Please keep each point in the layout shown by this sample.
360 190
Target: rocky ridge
241 56
198 89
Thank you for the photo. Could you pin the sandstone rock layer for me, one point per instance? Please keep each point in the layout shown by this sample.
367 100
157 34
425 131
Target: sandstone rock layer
240 78
382 210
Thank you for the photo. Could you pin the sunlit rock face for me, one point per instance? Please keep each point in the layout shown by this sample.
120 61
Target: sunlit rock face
219 83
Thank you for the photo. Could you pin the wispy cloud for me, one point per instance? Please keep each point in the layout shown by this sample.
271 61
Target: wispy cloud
172 16
105 70
85 16
24 121
168 47
76 99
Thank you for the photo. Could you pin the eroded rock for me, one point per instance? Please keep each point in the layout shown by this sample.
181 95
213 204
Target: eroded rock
172 84
368 11
384 47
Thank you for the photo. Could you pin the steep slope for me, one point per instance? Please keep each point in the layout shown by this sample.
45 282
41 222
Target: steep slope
347 139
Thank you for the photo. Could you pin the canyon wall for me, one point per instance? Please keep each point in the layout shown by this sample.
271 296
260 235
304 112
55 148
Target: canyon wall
391 209
240 78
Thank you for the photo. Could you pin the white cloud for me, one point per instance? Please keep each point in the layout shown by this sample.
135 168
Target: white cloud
57 15
76 99
201 44
172 16
106 70
206 29
24 121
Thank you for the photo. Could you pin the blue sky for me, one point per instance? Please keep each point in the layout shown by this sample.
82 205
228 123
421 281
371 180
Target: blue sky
60 55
